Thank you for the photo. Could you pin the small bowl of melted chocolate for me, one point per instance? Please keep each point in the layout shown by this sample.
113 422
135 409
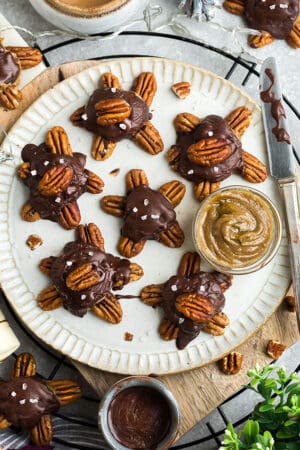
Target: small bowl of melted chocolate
139 413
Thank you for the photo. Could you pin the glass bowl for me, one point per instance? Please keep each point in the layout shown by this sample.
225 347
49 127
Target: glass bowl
237 230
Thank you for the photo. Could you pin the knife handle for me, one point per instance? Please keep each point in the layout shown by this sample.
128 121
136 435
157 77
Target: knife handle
292 218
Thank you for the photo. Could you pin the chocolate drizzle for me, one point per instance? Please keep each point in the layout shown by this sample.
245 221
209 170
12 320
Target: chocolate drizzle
147 214
41 160
110 269
275 16
277 109
211 127
208 284
24 400
139 418
9 67
128 127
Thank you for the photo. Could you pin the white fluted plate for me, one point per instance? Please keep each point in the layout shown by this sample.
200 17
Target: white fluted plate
249 302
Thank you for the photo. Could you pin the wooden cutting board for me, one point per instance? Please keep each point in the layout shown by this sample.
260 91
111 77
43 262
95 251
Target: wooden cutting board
201 390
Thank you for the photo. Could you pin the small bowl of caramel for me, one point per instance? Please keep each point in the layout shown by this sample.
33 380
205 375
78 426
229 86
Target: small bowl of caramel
137 413
237 230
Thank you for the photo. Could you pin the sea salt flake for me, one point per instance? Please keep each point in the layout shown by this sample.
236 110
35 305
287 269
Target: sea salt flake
146 202
84 116
272 7
69 263
113 89
33 400
90 253
202 288
46 163
283 6
181 320
13 394
33 173
174 288
22 402
210 133
154 216
57 200
190 172
61 160
144 217
24 386
83 297
135 209
216 169
122 126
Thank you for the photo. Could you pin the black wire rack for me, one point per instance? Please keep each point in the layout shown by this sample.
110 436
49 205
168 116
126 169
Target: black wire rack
72 431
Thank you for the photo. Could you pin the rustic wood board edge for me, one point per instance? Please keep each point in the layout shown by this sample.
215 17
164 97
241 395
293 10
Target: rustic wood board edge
204 388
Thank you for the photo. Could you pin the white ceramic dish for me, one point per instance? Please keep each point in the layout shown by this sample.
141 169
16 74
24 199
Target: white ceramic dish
90 24
250 300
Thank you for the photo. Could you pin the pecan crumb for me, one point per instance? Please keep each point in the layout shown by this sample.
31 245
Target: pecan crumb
275 349
128 336
231 363
290 303
181 89
34 241
114 172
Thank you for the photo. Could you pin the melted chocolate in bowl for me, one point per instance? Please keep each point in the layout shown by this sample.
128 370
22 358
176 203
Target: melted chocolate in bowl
139 417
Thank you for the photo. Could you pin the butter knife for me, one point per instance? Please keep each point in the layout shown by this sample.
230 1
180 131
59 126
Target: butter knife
282 164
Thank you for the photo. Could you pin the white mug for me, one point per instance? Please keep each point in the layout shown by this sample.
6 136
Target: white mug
8 341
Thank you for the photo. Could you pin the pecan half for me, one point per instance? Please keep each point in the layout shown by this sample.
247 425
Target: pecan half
149 139
34 241
42 433
258 41
145 86
55 180
109 80
76 116
70 216
231 364
25 366
135 178
10 97
173 191
217 324
94 183
57 139
253 169
173 156
28 56
204 188
208 152
224 280
239 120
112 110
128 248
290 303
29 214
275 349
152 294
46 264
4 423
49 299
90 234
136 272
113 204
186 122
109 309
181 89
195 306
189 264
65 390
294 37
83 277
235 6
102 148
173 237
168 330
24 170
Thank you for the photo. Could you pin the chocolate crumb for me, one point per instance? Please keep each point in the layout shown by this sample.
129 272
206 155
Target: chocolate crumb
128 336
114 172
34 241
290 303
